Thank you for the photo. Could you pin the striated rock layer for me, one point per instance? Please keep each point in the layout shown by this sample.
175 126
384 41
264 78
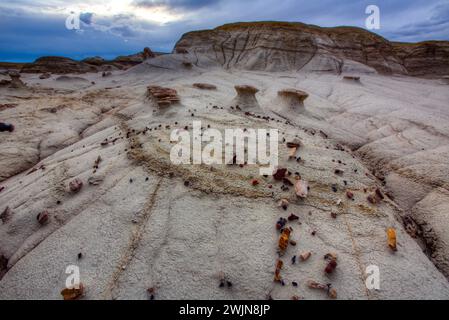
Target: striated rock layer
282 46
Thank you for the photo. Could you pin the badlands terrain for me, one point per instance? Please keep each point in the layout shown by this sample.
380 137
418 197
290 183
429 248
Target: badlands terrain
86 178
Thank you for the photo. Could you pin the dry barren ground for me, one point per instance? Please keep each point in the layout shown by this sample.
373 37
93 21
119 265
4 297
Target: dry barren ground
141 222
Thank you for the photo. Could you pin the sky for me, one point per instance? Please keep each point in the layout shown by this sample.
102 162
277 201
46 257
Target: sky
33 28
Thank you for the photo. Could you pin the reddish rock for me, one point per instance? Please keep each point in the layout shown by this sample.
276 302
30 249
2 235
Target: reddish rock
204 86
43 217
280 174
163 97
75 185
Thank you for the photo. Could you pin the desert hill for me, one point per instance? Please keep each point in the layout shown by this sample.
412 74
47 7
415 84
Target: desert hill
281 46
86 177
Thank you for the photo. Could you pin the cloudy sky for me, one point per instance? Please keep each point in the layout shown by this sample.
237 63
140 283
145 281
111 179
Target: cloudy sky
33 28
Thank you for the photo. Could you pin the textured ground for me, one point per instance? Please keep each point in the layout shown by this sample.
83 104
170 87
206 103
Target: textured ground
139 226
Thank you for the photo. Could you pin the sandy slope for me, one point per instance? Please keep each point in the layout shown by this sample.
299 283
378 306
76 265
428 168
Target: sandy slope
135 233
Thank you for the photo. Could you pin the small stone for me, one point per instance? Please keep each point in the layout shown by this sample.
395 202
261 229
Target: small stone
73 293
43 217
338 172
294 260
279 174
283 203
281 223
75 185
372 199
305 256
332 293
151 293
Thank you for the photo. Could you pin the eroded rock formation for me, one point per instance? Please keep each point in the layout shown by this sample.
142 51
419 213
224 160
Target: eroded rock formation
282 46
246 97
163 97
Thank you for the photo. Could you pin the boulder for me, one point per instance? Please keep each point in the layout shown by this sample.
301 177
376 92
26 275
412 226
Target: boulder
163 97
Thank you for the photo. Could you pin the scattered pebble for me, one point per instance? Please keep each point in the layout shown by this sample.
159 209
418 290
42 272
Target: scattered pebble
301 187
277 272
279 174
283 203
281 223
305 256
284 239
391 236
151 293
332 262
294 260
43 217
75 185
74 293
339 172
331 292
